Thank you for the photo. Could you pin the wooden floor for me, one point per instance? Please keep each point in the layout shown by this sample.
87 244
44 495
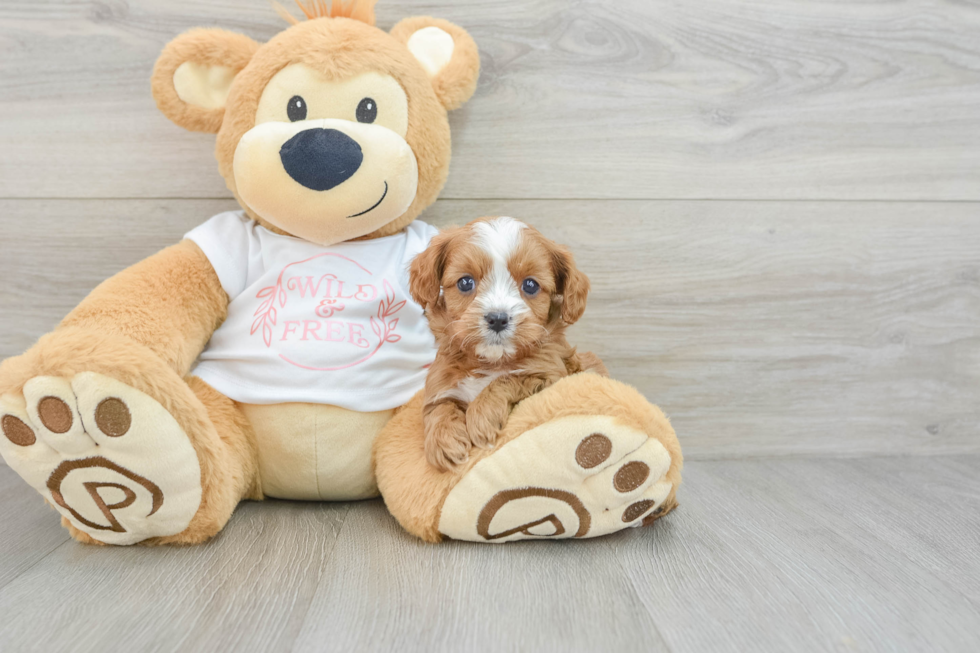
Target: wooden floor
778 203
813 554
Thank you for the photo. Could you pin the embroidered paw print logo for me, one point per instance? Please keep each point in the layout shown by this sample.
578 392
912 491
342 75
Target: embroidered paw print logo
95 489
549 526
582 484
108 457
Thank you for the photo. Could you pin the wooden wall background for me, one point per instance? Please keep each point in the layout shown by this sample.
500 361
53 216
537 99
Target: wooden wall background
777 201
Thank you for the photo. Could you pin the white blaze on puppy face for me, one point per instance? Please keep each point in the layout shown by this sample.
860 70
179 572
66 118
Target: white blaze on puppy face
498 291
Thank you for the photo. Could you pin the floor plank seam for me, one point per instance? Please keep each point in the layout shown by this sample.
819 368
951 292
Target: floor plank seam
38 561
319 577
638 597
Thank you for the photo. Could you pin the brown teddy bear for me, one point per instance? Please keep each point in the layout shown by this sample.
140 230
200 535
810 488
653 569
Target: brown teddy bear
276 351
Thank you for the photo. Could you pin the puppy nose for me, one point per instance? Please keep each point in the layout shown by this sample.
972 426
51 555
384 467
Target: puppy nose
496 321
320 159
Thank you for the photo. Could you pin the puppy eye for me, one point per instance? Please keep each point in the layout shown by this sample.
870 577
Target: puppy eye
466 284
367 110
530 287
296 108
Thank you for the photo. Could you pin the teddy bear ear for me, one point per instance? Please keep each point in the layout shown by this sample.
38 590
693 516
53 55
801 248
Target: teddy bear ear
446 52
192 77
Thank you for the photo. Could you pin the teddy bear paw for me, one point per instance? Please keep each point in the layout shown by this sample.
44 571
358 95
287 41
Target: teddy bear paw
108 457
579 476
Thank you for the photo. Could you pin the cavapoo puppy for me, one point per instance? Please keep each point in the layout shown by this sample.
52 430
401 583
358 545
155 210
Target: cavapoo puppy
498 296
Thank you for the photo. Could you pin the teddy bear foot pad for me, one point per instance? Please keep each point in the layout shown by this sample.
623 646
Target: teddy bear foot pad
108 457
590 476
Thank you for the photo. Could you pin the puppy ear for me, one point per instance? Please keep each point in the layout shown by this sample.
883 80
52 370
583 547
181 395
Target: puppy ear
571 283
192 77
446 52
425 273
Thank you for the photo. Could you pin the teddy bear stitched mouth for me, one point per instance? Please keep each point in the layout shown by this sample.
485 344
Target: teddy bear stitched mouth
374 206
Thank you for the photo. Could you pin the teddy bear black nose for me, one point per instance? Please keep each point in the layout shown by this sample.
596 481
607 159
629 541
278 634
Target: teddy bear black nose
321 158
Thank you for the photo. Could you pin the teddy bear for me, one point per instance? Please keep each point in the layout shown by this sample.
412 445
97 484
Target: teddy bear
276 351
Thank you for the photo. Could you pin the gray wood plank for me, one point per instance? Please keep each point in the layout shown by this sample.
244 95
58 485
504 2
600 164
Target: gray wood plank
816 555
55 252
31 529
393 591
246 590
761 328
637 98
877 554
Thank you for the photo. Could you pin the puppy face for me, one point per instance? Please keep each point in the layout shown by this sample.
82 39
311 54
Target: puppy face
497 289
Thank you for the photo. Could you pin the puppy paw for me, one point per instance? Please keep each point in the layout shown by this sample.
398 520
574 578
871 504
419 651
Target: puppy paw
485 417
447 444
482 428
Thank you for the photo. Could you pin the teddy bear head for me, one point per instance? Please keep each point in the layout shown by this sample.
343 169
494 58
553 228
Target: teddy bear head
334 129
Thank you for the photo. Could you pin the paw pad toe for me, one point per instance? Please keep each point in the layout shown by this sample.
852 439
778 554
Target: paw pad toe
635 510
113 418
631 476
55 415
17 431
593 451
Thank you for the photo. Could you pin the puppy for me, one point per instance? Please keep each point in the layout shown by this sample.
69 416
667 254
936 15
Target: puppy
498 296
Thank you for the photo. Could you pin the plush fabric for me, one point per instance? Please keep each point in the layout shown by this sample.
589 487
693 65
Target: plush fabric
204 48
227 460
415 492
325 456
104 417
353 48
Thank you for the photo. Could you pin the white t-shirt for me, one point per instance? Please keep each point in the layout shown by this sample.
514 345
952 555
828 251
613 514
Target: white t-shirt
327 325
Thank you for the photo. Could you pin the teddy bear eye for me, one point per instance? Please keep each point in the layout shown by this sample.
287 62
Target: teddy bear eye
296 108
466 284
367 110
530 287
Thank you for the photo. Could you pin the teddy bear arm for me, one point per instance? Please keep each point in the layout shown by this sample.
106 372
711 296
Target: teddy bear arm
171 303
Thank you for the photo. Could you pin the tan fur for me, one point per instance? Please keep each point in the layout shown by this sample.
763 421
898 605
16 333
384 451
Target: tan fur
455 83
542 354
145 327
447 442
414 491
362 10
338 48
571 284
170 303
213 47
227 460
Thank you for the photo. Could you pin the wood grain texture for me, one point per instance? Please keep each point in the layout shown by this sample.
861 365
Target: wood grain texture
32 530
594 99
777 555
761 328
473 597
246 590
816 555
